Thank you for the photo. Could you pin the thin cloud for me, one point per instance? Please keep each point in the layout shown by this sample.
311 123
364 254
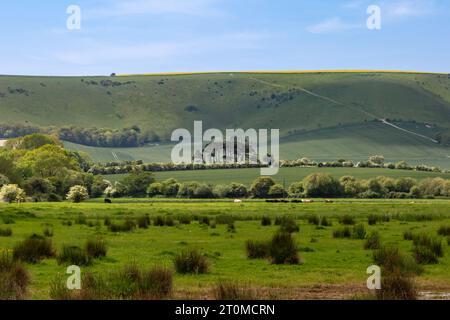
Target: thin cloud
411 8
332 25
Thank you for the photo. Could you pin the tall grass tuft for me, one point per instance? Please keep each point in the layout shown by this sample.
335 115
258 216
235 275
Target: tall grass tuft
14 279
233 290
373 241
191 261
6 232
266 221
96 248
257 249
283 249
73 255
33 249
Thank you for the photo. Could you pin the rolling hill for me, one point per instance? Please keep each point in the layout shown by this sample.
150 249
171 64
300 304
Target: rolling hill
321 115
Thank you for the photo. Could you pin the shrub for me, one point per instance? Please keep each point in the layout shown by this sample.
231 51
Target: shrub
257 249
33 249
143 222
14 279
277 191
322 185
156 283
373 241
6 232
261 186
444 231
408 235
359 232
342 233
347 219
73 255
96 248
107 221
283 249
191 261
232 290
266 221
224 219
434 244
391 259
8 220
77 194
12 193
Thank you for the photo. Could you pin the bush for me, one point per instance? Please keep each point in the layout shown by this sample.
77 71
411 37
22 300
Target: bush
277 191
342 233
96 248
169 221
77 194
143 222
391 260
6 232
359 232
283 249
266 221
373 241
73 255
434 244
408 235
261 186
156 283
232 290
322 185
191 261
257 249
347 219
33 249
14 279
12 193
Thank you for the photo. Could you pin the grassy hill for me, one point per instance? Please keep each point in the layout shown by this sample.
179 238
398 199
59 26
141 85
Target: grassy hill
321 115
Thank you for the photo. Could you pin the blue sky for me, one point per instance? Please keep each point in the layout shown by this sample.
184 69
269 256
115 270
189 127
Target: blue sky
141 36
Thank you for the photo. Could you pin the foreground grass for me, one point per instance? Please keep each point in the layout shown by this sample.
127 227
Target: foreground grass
339 263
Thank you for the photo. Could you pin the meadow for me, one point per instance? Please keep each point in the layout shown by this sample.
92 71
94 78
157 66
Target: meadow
331 267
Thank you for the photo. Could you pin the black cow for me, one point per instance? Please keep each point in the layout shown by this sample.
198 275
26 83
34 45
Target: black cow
108 201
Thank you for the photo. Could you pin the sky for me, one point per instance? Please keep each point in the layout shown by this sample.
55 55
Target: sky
150 36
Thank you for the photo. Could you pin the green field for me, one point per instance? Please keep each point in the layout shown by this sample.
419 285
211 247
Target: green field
285 176
332 268
323 116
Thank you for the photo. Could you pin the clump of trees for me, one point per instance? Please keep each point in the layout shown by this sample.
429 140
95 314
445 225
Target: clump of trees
96 137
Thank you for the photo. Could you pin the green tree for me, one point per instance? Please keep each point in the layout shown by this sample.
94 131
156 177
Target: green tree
261 186
322 185
136 183
77 194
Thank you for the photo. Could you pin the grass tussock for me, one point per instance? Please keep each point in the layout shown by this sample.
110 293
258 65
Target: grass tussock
96 248
287 224
33 249
73 255
233 290
143 222
126 226
266 221
373 241
257 249
191 262
14 279
283 249
347 219
7 232
344 232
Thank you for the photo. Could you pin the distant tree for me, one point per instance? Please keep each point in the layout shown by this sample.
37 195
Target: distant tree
154 189
379 160
261 186
77 194
136 184
3 180
296 189
277 191
322 185
12 193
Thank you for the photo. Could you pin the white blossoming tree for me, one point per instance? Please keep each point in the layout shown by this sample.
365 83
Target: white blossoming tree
12 193
77 194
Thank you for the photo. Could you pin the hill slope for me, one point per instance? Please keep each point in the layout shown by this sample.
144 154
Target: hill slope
309 108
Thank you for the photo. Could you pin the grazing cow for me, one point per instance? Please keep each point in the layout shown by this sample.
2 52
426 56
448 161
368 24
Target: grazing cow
307 201
237 201
329 201
108 201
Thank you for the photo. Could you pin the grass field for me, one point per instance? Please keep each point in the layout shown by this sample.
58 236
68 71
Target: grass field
332 268
285 176
354 142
